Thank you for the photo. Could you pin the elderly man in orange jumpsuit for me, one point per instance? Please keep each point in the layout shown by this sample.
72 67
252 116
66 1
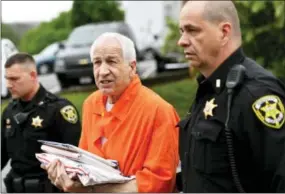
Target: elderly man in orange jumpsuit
127 122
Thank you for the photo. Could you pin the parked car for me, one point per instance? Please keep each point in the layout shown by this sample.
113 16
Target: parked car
46 58
73 61
8 48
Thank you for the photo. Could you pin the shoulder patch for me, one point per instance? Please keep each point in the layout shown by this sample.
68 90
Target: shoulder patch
69 113
269 110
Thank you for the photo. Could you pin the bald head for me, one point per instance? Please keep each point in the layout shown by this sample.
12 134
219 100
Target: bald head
217 12
210 33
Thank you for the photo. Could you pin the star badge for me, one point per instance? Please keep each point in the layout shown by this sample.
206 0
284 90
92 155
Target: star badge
209 107
37 122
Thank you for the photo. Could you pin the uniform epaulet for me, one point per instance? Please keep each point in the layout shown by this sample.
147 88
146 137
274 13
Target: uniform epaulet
51 97
63 99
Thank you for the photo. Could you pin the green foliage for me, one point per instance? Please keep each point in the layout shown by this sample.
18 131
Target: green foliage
263 27
59 28
84 12
7 32
180 94
46 33
172 37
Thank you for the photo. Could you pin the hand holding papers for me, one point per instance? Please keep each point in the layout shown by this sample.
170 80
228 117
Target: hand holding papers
89 168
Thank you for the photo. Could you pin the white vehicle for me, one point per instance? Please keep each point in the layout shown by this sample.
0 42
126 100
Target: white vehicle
8 48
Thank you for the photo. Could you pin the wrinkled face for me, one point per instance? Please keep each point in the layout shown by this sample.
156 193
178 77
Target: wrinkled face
199 38
20 80
112 74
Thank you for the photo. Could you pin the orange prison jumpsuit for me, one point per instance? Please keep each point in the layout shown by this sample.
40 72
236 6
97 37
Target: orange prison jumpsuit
141 134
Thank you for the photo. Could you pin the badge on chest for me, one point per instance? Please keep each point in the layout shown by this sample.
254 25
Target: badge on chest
209 108
37 121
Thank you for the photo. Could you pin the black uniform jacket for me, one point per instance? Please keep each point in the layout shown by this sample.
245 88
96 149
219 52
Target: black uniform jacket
45 117
258 132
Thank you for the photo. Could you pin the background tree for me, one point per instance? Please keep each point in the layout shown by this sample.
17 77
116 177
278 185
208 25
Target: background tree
8 32
84 12
58 29
172 37
263 27
46 33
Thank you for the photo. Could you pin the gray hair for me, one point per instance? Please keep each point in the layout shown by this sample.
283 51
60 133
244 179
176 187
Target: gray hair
127 45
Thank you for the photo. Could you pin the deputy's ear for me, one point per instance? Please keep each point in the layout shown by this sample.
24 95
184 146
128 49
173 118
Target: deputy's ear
225 32
34 75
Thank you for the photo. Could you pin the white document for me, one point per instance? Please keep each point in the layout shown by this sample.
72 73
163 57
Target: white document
84 156
87 174
89 168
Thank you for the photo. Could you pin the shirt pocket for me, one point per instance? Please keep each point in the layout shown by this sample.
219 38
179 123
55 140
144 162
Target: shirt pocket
183 137
11 139
31 137
36 130
209 148
32 134
10 131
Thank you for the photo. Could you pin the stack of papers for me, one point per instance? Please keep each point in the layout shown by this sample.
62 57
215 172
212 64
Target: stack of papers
89 168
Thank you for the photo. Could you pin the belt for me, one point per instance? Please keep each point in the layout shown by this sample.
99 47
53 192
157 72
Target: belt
29 185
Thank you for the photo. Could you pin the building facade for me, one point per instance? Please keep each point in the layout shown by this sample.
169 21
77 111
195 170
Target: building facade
148 18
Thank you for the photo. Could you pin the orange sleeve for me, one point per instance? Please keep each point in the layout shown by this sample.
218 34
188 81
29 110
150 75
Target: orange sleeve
159 170
83 143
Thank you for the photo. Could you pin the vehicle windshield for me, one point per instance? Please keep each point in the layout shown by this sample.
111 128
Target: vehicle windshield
50 50
86 35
